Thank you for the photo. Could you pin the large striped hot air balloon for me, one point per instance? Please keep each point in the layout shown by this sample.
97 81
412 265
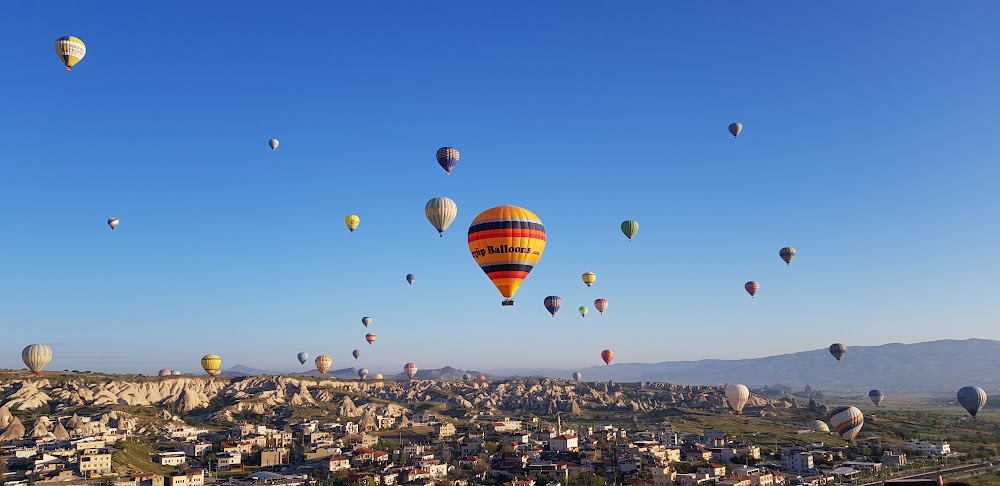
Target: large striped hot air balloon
600 305
838 350
323 363
972 399
847 421
352 221
751 288
607 355
370 337
441 212
787 254
737 396
589 278
212 364
630 228
70 50
506 242
447 157
410 369
36 356
552 304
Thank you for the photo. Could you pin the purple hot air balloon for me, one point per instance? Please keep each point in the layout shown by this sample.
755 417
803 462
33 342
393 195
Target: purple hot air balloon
552 304
447 157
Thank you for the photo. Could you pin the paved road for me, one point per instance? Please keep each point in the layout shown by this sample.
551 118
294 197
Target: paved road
951 471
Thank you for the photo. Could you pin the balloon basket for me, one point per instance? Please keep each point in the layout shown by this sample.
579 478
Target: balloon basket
508 302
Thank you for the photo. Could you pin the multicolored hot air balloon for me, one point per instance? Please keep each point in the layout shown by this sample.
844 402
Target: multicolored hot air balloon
583 310
366 321
352 221
36 356
607 355
441 212
357 354
577 376
507 242
163 372
972 399
302 357
600 305
838 350
735 128
447 157
847 421
630 228
410 369
410 278
787 254
481 378
552 304
466 377
752 288
737 395
876 396
363 373
323 363
589 278
273 143
370 337
212 364
70 50
113 222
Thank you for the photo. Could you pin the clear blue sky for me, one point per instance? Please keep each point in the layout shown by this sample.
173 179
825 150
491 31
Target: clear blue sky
869 144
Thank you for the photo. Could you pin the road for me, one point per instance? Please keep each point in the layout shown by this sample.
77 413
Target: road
950 471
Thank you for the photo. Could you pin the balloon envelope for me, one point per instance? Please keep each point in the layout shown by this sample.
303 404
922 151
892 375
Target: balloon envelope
441 212
607 355
577 376
735 128
212 364
506 242
163 372
583 310
600 305
302 357
378 376
737 395
323 363
818 426
410 369
36 356
363 373
70 50
787 254
410 278
847 421
876 396
481 378
370 337
447 157
552 304
838 350
273 143
366 321
630 228
466 377
972 399
352 221
113 222
751 288
357 354
589 278
175 373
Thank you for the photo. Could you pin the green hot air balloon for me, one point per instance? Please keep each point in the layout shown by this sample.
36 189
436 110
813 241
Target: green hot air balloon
630 228
583 310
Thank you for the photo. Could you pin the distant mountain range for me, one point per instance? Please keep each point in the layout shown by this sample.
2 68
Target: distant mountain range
935 366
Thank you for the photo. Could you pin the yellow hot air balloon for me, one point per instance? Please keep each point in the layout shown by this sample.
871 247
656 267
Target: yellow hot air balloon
323 363
352 221
589 278
212 364
506 242
70 50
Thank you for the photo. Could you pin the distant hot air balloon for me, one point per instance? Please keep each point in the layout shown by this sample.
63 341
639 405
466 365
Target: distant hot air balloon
352 221
876 396
36 356
303 357
366 321
163 372
410 278
752 288
323 363
577 376
175 373
972 399
70 50
506 242
378 376
212 364
847 421
552 304
481 378
441 211
787 254
589 278
583 310
818 426
466 377
357 354
838 350
447 157
370 337
737 395
410 369
630 228
607 355
363 373
600 305
273 143
113 222
735 128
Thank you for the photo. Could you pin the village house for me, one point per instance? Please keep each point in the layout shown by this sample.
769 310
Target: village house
93 462
443 430
191 477
275 456
564 443
195 449
170 458
141 479
713 470
338 463
229 461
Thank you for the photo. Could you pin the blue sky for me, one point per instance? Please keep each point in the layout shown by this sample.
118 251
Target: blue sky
869 145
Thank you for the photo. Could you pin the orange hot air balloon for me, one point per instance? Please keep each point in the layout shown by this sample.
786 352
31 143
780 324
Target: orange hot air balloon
323 363
506 242
370 337
607 355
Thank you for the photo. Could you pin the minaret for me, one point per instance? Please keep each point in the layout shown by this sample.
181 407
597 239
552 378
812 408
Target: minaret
558 423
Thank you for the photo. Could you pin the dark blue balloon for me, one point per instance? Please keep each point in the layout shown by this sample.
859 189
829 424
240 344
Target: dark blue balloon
447 157
410 278
552 304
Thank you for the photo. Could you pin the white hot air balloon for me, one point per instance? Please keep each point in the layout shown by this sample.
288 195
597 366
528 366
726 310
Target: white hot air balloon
737 395
113 222
441 212
273 143
36 356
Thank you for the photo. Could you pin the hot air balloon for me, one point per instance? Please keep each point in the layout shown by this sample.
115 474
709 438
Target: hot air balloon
466 377
378 376
847 421
447 157
323 363
600 305
70 50
787 254
36 356
363 373
552 304
972 399
583 310
577 376
366 321
113 222
737 395
818 426
752 288
630 228
410 278
273 143
589 278
441 211
357 354
876 396
410 369
303 357
607 355
838 350
370 337
735 128
506 242
212 364
175 373
163 372
352 221
481 378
